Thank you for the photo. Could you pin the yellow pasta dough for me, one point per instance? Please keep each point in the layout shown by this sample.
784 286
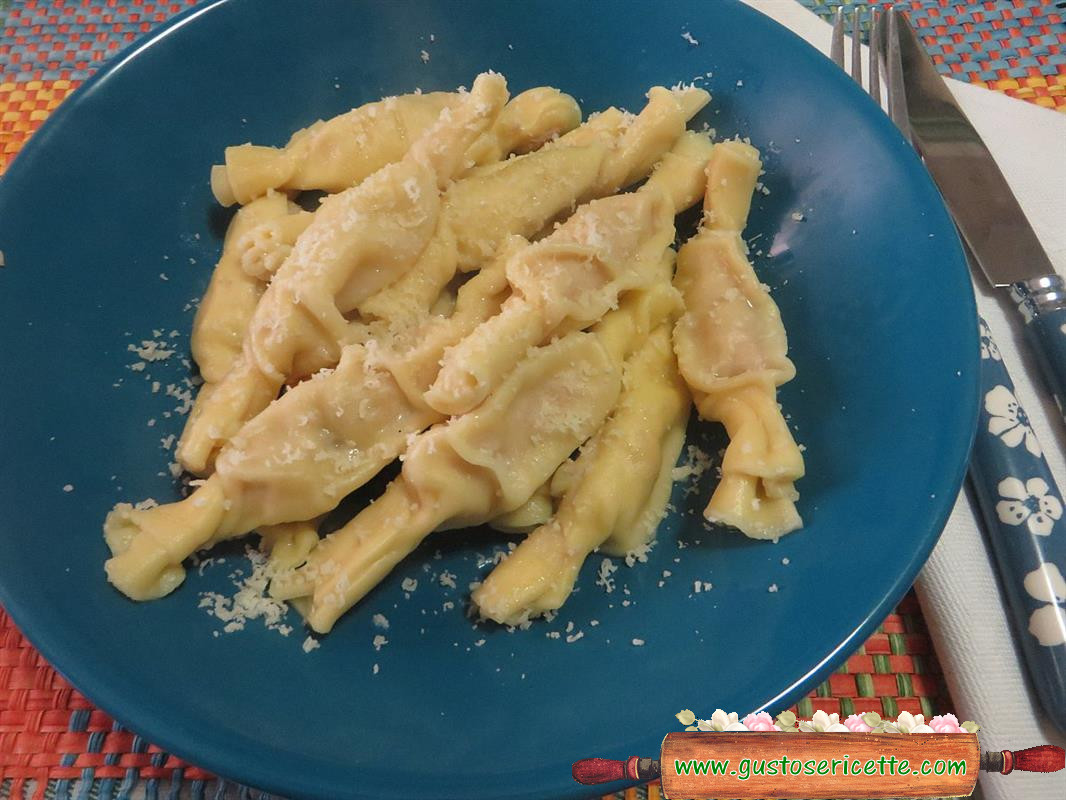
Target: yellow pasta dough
359 241
518 196
731 350
337 154
523 195
329 435
232 295
476 466
263 249
305 452
525 123
533 513
640 441
545 392
289 543
575 275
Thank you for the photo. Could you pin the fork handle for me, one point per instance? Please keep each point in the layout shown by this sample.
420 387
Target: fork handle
1042 302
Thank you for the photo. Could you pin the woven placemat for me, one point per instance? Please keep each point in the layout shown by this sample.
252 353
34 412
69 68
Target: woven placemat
54 744
1013 46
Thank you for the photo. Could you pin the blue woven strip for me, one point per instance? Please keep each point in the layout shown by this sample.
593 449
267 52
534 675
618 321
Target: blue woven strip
79 721
151 789
132 774
96 741
177 777
108 785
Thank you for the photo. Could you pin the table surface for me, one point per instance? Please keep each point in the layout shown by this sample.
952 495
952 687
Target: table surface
55 744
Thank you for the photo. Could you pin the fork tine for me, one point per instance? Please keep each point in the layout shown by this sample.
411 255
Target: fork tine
897 98
875 56
836 49
856 44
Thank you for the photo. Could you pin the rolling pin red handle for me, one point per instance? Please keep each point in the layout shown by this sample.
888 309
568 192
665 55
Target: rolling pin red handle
1045 758
590 771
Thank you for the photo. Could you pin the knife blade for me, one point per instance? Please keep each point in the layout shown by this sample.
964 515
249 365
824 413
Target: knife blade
988 214
991 221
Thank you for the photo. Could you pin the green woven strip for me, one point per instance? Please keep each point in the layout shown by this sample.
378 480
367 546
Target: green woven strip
824 690
920 666
864 682
827 8
804 708
881 664
842 669
897 644
847 707
889 707
904 686
927 707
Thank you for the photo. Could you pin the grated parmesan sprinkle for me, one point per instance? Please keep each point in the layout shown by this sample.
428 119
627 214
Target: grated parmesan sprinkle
603 578
251 600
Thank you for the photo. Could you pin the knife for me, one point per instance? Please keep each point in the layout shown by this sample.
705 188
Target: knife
1007 460
988 216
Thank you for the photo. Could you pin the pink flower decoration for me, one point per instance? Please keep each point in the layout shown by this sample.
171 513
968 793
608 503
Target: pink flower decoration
948 723
855 724
760 722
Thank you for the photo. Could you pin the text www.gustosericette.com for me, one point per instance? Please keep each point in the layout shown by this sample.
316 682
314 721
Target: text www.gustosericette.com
747 768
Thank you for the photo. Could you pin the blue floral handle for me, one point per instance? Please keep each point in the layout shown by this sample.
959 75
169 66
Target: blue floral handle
1042 302
1022 508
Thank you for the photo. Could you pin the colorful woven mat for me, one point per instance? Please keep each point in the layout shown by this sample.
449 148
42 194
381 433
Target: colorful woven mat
1013 46
54 744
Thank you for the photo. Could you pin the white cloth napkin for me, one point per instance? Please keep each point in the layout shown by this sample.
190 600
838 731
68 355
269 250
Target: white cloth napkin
958 590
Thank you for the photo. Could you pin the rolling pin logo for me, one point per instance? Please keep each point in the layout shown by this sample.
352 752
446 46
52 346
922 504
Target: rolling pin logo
743 764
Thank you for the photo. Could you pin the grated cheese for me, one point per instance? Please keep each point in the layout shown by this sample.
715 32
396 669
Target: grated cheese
251 600
603 578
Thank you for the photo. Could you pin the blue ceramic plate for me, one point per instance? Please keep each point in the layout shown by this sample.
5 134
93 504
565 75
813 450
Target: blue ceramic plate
112 195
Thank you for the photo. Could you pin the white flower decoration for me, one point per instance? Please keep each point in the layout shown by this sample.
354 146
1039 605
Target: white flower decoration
1029 503
1009 421
989 349
1047 623
721 721
907 723
823 723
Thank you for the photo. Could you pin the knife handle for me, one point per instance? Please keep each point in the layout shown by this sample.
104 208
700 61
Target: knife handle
1042 302
1024 525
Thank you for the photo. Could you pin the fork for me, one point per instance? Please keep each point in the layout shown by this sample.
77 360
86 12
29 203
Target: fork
1037 616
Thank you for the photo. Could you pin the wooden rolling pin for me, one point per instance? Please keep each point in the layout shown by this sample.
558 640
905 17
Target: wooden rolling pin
780 753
